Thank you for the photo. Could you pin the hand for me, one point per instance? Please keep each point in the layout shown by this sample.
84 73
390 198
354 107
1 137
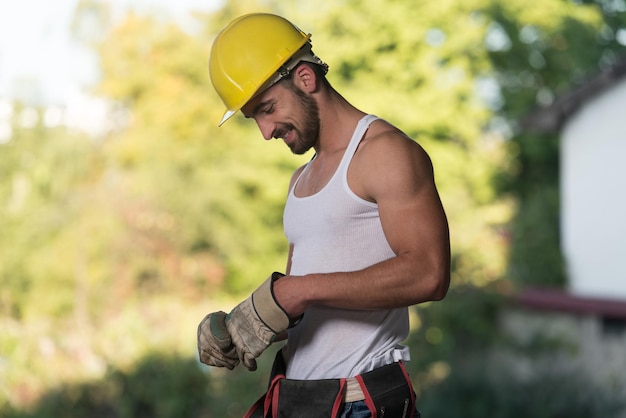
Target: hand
215 346
255 323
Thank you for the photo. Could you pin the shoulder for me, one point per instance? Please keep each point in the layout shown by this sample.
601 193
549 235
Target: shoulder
384 141
388 163
388 156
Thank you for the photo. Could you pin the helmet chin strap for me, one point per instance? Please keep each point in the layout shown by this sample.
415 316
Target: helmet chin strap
304 54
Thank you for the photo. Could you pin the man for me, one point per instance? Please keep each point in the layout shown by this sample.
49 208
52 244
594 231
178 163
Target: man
368 237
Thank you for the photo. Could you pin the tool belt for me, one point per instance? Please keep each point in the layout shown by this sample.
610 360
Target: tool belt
387 392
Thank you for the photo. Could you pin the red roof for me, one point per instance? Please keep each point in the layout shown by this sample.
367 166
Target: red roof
560 301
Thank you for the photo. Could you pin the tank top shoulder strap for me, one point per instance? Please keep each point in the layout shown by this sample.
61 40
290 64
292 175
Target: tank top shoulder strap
357 136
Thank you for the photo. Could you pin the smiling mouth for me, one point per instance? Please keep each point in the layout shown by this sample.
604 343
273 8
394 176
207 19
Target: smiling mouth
283 134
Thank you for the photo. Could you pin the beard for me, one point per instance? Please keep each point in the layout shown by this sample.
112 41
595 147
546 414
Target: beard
308 134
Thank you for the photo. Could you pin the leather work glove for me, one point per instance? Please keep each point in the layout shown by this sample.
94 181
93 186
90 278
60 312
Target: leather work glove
255 322
215 347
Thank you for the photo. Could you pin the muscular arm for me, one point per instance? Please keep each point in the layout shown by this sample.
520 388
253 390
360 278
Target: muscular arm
397 174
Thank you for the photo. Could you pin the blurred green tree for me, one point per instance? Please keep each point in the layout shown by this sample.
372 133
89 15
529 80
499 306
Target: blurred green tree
42 170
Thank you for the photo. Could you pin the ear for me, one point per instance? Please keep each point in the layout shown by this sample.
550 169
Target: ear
305 78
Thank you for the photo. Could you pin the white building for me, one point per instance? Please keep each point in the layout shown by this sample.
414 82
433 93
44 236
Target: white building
592 124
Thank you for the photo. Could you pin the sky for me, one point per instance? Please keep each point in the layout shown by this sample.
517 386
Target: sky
38 59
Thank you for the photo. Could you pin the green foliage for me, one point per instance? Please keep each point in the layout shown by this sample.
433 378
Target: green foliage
445 333
535 249
159 386
104 241
535 256
478 391
39 204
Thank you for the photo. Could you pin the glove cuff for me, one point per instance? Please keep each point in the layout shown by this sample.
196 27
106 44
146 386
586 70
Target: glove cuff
268 309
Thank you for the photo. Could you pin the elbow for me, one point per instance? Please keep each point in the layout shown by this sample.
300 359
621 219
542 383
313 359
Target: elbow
430 281
439 285
439 294
440 278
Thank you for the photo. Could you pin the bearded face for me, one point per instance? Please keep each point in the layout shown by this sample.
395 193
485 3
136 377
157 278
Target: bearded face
287 112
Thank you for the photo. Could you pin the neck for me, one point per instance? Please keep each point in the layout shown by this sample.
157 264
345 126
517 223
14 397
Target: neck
338 119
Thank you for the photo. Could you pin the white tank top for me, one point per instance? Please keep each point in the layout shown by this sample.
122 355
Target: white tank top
334 230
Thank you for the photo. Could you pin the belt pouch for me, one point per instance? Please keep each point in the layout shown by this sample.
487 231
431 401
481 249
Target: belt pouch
388 391
309 398
288 398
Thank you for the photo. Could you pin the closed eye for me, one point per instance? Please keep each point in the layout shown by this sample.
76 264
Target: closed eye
265 108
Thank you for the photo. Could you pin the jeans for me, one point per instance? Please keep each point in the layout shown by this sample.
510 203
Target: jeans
359 410
355 410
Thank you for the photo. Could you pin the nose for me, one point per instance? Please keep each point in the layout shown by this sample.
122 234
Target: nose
266 128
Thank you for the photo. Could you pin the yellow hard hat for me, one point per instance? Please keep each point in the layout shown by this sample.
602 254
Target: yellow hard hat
248 55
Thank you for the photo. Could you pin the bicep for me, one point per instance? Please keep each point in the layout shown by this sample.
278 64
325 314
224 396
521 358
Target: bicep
411 212
414 221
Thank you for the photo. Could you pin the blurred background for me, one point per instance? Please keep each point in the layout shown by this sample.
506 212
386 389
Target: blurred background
127 215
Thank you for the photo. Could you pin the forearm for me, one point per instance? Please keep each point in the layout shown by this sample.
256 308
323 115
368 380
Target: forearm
397 282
